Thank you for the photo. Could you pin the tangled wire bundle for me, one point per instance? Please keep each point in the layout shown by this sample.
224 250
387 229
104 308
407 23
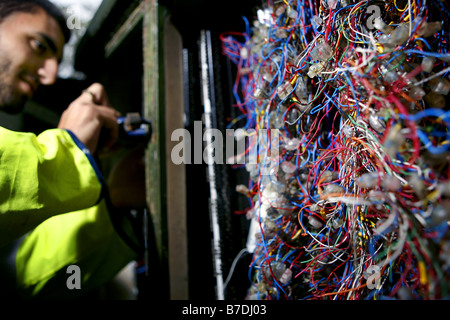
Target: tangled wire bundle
353 96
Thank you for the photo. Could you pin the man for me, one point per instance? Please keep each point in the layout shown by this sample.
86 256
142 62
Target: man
51 211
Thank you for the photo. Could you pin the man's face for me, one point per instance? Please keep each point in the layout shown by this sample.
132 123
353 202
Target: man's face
31 46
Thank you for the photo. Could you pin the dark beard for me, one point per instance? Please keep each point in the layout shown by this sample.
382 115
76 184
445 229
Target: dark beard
10 101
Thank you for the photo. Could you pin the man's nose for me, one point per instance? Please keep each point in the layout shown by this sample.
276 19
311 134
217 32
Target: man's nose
48 73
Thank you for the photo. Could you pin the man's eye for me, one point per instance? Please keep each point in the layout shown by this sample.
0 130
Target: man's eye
38 46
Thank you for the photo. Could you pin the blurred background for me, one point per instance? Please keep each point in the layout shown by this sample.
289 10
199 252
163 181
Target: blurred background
80 13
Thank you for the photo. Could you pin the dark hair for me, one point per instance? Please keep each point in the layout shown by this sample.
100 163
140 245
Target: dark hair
8 7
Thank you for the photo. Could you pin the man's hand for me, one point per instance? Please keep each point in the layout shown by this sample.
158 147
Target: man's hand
89 115
126 180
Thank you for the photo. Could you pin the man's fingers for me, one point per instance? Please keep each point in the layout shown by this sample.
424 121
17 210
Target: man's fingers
88 96
96 93
108 112
91 122
108 117
92 119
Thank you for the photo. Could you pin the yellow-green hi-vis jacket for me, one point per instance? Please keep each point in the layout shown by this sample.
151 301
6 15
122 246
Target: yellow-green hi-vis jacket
52 211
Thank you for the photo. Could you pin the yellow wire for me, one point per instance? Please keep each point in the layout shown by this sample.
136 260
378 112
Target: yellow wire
395 3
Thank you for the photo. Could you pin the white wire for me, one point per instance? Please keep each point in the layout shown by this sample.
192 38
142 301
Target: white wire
233 266
432 77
